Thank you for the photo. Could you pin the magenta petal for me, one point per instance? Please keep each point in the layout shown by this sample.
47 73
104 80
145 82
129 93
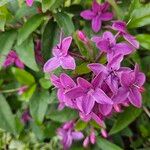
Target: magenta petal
98 80
51 64
75 93
68 62
66 81
106 16
123 48
84 84
19 63
108 35
135 97
119 26
131 39
96 23
96 39
140 79
104 45
100 97
86 142
29 2
96 6
55 81
87 14
105 109
77 135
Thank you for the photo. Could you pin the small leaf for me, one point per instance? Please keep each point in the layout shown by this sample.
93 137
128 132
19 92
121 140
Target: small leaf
46 84
144 40
125 118
82 69
64 115
26 54
31 25
80 125
7 120
3 2
38 105
2 22
104 144
64 21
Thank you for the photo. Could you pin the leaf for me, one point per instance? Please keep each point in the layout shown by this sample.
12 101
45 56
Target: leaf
46 84
106 145
7 40
64 115
64 21
3 2
140 17
125 118
2 22
49 38
80 125
116 8
38 105
26 54
144 40
7 120
31 25
82 69
23 76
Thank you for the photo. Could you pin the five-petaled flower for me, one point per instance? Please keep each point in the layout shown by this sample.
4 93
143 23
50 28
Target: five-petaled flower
61 57
97 14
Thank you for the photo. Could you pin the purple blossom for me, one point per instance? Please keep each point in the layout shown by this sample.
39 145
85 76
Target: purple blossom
63 83
22 89
122 28
26 116
107 43
29 2
12 58
131 82
97 14
61 57
67 134
88 94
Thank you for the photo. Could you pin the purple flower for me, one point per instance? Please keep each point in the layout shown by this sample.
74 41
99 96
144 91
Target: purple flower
132 82
122 28
26 116
88 94
63 83
97 14
22 90
29 2
12 58
67 134
107 43
61 57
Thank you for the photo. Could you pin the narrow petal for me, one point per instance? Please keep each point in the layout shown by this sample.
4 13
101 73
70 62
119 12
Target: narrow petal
100 97
104 45
98 80
84 84
19 63
97 68
96 24
56 81
75 93
29 2
56 51
105 109
119 26
87 14
140 79
68 62
106 16
96 39
77 135
135 97
66 81
66 42
123 48
86 142
96 6
131 39
108 35
51 64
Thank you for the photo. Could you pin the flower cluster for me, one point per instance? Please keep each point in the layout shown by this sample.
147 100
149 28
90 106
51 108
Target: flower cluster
111 86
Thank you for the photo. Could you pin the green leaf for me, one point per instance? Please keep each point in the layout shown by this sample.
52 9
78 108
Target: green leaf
7 120
125 118
63 115
64 21
7 40
38 105
80 125
2 22
49 38
140 17
23 76
3 2
144 40
30 26
104 144
26 54
116 8
46 84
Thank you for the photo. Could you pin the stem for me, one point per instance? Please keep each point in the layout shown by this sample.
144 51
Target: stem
78 56
99 56
146 111
10 90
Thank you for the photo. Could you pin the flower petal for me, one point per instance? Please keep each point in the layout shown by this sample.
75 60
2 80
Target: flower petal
19 63
29 2
140 79
100 97
51 64
104 45
119 26
135 97
55 81
68 62
84 84
77 135
87 14
96 23
106 16
98 80
108 35
105 109
96 6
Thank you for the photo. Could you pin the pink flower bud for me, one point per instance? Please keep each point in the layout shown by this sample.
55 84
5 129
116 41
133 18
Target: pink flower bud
86 142
104 133
81 36
92 137
22 90
117 108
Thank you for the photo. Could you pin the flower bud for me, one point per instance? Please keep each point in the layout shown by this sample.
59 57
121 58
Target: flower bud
92 137
104 133
86 142
81 36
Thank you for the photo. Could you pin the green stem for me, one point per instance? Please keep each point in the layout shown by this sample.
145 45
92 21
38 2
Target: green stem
10 90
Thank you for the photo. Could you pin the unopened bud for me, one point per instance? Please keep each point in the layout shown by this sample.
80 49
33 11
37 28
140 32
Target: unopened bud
81 36
92 137
104 133
86 142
